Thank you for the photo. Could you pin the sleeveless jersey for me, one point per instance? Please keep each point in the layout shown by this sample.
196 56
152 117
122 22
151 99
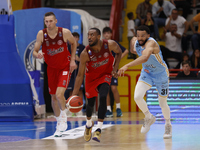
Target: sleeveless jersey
56 53
155 63
100 63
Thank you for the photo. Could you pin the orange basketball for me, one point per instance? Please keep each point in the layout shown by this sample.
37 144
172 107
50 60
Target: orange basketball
74 104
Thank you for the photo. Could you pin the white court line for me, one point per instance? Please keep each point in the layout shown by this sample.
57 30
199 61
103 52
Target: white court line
76 132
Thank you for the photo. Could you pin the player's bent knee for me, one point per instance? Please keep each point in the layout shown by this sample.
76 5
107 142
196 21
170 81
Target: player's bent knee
138 97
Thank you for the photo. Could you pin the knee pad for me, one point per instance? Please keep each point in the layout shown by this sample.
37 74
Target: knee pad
103 90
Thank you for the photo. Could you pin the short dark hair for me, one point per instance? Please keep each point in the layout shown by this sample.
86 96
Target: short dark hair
175 9
149 11
143 28
107 29
97 30
186 62
130 15
49 14
76 34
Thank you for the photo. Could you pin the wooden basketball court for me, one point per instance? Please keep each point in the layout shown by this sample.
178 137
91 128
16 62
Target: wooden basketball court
119 134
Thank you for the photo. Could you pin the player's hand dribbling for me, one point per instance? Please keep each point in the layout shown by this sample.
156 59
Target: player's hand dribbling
73 66
122 70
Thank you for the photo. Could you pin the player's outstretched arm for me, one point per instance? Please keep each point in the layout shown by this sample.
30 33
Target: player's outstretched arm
69 37
38 43
113 46
150 48
79 78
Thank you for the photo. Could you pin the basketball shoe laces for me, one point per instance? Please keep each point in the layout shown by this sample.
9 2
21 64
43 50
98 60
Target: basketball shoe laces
61 122
168 129
146 121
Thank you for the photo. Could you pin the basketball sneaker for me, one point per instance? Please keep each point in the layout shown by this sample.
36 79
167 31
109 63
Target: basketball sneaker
168 131
119 112
109 114
61 125
147 123
88 132
97 135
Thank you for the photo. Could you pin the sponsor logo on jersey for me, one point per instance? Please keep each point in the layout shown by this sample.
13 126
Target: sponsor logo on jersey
89 52
47 43
101 63
64 82
105 54
93 59
149 66
60 42
105 46
108 79
52 52
45 35
60 34
65 73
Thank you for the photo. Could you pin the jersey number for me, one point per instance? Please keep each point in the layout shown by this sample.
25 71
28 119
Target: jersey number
164 91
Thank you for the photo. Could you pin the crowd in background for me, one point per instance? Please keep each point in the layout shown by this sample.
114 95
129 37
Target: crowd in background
167 21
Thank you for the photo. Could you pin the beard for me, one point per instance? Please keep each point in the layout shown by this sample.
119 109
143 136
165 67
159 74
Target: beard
143 43
94 43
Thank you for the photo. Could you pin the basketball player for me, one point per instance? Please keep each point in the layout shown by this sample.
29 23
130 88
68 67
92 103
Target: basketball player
60 64
107 34
99 65
154 70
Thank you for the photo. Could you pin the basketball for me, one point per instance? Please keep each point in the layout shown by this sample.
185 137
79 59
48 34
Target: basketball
74 104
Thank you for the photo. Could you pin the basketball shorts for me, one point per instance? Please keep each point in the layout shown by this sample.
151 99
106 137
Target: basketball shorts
91 85
114 81
160 80
72 82
58 78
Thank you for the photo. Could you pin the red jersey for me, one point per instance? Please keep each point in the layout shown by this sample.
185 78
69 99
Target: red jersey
100 63
56 53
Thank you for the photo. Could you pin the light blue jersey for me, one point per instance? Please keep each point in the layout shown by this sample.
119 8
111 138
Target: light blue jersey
154 70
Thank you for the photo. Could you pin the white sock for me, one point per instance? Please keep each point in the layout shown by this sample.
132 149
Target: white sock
167 121
99 125
117 105
147 114
63 113
109 108
89 123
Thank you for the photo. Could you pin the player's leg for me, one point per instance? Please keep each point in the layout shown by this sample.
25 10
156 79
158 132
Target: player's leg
140 91
89 122
109 111
117 100
62 118
166 113
103 92
163 90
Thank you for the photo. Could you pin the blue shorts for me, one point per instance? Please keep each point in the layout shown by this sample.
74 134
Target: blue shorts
114 81
160 80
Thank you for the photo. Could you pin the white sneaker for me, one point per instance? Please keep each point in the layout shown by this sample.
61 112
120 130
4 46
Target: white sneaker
147 123
168 131
61 123
57 134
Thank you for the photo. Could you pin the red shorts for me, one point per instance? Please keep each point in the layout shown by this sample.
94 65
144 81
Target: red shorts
91 85
58 78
